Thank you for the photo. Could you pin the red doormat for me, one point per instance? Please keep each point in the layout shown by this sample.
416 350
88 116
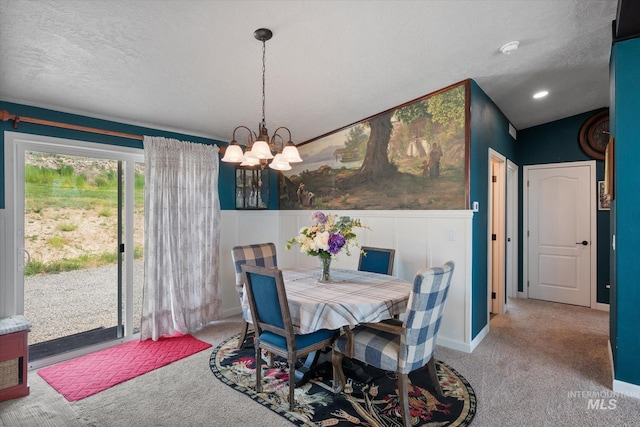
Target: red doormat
87 375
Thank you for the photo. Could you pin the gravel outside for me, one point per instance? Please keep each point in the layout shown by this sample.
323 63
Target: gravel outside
70 302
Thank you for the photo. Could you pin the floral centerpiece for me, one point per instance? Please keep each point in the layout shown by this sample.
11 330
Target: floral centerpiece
326 237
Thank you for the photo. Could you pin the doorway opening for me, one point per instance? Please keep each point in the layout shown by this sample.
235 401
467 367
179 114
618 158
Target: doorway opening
497 233
512 230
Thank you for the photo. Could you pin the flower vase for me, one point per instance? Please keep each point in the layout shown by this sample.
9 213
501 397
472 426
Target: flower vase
326 265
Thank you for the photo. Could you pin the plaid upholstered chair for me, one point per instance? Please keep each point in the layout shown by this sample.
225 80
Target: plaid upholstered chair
272 322
402 347
261 254
376 260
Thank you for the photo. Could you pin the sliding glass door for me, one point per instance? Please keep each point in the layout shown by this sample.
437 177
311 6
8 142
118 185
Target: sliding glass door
78 213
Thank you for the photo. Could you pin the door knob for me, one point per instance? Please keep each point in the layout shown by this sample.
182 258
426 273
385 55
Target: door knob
583 243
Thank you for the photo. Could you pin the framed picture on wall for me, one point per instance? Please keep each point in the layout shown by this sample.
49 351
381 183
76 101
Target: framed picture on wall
604 202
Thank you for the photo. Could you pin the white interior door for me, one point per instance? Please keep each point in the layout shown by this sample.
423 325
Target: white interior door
561 232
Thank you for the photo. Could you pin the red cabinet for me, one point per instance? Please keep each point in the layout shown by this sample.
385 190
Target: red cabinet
13 365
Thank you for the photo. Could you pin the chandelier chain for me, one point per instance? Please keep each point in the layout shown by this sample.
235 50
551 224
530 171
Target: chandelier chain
261 148
263 79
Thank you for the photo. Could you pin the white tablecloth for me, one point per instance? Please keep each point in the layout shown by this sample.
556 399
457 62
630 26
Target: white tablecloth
353 297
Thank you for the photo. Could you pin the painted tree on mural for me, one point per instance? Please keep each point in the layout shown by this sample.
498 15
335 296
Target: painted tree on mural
412 111
446 109
376 160
356 144
417 119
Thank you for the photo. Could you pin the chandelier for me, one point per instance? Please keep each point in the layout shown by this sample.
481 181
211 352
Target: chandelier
262 149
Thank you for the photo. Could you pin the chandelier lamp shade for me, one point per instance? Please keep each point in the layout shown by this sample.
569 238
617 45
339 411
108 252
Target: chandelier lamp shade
261 149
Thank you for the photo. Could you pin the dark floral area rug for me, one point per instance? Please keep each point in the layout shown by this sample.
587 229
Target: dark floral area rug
372 404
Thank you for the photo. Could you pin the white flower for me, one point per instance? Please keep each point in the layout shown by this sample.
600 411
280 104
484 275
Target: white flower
321 241
314 239
305 244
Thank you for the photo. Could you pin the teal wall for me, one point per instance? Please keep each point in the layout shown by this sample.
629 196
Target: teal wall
557 142
489 129
625 300
613 297
226 177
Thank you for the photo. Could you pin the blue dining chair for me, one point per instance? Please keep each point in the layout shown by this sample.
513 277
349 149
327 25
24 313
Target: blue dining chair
398 346
261 254
272 322
376 260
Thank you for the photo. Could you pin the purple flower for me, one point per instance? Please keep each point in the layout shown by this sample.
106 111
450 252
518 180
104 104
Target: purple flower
319 217
336 242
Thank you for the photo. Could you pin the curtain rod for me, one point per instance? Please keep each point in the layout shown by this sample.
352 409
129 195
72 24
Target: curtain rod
5 116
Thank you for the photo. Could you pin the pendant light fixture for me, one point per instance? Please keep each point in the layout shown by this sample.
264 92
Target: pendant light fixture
262 149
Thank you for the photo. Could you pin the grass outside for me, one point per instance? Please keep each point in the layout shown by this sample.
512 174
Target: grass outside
77 263
52 191
61 188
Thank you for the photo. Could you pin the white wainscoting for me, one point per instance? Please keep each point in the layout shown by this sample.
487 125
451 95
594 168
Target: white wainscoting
5 303
242 228
420 238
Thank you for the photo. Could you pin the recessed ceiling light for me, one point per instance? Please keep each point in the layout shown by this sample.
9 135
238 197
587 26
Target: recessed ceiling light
540 94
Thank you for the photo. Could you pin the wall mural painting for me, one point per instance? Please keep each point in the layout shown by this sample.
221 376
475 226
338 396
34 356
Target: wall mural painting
410 157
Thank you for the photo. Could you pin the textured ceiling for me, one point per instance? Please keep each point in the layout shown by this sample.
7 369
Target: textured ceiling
194 66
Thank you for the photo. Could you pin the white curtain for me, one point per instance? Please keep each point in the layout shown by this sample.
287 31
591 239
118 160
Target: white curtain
181 239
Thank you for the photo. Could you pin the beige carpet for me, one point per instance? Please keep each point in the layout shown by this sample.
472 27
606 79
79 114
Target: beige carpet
526 372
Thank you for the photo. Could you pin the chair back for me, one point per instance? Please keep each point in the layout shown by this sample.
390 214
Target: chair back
423 316
268 301
261 254
376 260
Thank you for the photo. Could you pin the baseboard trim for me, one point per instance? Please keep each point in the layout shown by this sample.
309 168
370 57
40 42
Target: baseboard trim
460 345
483 333
613 374
453 344
231 312
627 389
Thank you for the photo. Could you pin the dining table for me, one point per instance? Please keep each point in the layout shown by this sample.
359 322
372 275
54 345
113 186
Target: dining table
351 297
